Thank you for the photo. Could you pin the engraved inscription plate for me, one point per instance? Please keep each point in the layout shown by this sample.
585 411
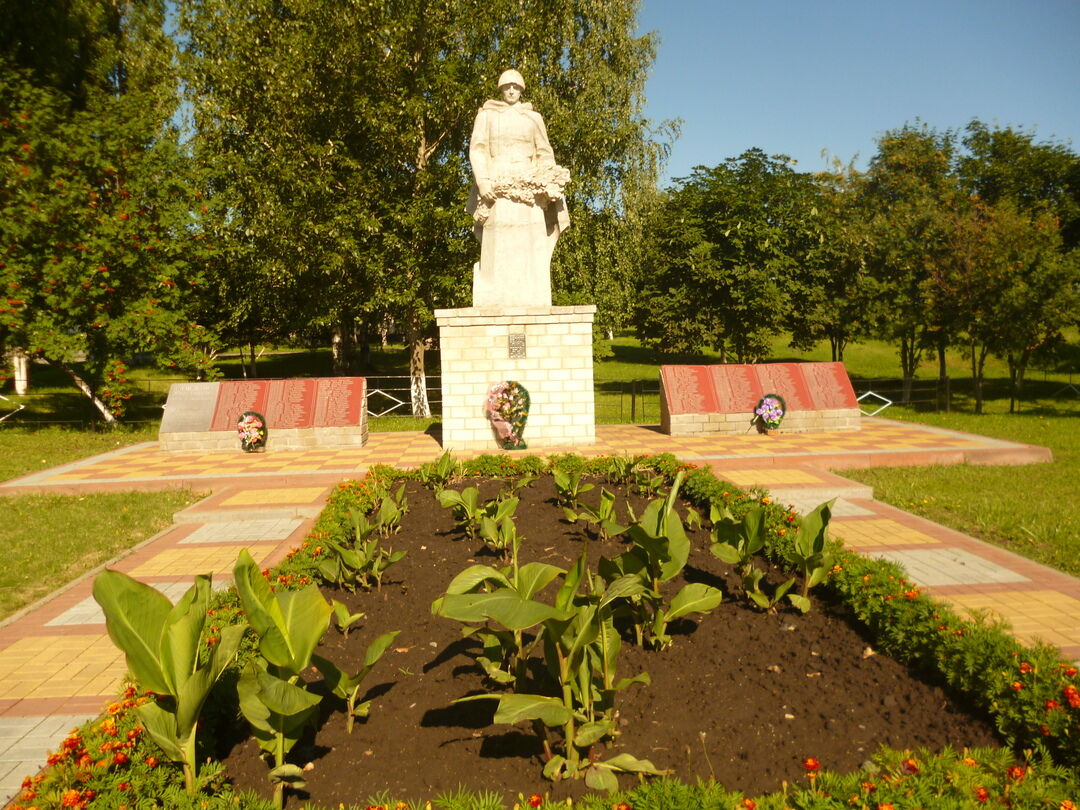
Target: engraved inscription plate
517 345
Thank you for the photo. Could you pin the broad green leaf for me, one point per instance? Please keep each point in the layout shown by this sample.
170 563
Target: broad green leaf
642 677
554 767
305 618
534 577
161 726
284 698
135 616
631 764
291 775
473 577
600 778
548 710
726 553
503 606
590 733
622 588
697 597
799 601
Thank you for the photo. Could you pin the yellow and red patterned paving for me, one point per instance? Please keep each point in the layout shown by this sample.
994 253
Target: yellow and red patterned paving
57 665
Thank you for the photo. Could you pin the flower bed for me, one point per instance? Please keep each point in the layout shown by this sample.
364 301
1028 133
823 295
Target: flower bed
1029 692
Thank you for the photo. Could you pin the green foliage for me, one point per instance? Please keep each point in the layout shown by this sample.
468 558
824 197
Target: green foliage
569 487
723 266
437 474
580 647
161 644
738 542
659 553
273 697
96 198
603 516
348 686
808 553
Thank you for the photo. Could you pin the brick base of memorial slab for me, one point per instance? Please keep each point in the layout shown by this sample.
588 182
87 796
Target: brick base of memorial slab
546 349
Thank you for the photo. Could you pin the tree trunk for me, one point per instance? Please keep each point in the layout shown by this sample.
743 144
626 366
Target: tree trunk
978 364
342 348
418 378
909 362
942 368
20 362
84 386
1017 369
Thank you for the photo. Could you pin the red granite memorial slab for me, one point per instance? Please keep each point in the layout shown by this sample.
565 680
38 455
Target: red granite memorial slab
722 397
320 411
302 403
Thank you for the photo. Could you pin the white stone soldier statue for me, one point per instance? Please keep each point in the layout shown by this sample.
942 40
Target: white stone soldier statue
517 201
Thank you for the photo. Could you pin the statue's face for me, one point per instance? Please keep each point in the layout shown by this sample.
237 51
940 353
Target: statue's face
511 93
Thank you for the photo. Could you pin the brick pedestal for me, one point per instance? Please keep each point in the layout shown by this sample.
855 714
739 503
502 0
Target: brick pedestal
546 349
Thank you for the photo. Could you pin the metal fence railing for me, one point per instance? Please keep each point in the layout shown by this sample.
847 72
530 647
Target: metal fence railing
933 394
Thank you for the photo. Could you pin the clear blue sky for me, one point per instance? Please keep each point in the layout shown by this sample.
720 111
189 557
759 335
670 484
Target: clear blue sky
798 76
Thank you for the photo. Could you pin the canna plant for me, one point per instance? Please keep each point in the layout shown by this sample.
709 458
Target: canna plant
359 565
501 536
160 642
466 507
347 686
393 506
344 618
273 697
580 646
506 596
737 542
659 552
437 474
808 553
568 486
603 516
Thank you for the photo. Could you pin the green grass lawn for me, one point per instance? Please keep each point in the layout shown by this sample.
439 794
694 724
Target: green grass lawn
1030 510
49 540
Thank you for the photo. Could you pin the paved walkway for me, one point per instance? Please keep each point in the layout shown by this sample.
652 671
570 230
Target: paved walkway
58 667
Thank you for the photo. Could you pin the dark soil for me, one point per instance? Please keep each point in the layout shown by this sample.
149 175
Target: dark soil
741 696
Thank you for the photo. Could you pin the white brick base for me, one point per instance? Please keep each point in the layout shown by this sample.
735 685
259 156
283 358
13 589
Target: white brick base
556 368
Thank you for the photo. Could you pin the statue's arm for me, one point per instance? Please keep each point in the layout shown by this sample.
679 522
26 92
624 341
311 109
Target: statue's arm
480 156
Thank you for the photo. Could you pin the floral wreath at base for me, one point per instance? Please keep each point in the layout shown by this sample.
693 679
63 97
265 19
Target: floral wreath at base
251 426
770 412
507 408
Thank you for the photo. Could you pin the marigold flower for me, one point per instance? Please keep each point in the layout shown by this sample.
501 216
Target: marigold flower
1016 773
1051 705
982 795
811 765
1017 686
619 806
536 800
885 806
151 762
749 804
70 798
1044 730
1069 672
1072 696
1025 667
1066 805
909 765
971 763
